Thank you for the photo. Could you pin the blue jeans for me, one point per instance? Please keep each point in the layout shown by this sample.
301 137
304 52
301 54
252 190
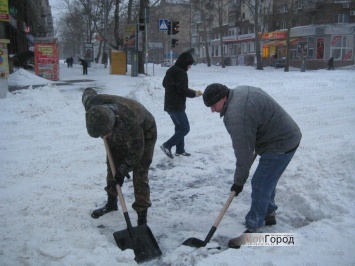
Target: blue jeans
263 184
182 127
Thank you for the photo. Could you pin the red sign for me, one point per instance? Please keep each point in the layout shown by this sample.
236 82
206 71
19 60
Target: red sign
274 35
46 60
4 17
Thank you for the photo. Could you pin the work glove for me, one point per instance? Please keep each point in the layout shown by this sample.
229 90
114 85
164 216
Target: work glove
121 173
237 189
199 93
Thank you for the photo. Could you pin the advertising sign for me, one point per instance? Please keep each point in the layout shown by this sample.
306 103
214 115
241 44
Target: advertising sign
88 52
46 58
130 36
4 10
4 59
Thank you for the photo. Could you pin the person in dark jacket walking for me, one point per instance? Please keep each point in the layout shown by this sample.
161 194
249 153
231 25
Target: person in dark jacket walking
331 63
257 124
176 90
84 63
131 134
68 61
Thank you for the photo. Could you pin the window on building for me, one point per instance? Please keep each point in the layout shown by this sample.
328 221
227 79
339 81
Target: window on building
293 52
251 47
341 47
233 50
244 48
341 18
283 25
298 4
284 8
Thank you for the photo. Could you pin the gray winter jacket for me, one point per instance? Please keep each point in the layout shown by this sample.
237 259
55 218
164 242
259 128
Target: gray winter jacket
255 121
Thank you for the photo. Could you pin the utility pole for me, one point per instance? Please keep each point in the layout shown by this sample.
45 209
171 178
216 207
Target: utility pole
104 54
146 39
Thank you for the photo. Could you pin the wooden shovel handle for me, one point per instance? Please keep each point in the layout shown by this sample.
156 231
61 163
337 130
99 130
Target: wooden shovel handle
228 202
224 209
113 170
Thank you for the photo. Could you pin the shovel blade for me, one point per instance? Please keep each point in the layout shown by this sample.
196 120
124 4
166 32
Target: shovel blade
142 242
194 242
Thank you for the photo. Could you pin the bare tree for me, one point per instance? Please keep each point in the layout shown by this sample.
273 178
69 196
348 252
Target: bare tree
218 8
259 15
206 22
72 26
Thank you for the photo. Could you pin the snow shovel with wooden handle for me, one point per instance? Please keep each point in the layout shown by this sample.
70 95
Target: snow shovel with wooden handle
139 238
198 243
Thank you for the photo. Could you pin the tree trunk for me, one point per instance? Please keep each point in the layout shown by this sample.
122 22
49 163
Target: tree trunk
287 62
129 11
117 23
141 54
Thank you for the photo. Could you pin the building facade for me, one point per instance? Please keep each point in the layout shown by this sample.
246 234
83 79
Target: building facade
317 30
26 20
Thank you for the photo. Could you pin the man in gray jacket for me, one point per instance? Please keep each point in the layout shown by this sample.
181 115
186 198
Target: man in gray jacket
257 124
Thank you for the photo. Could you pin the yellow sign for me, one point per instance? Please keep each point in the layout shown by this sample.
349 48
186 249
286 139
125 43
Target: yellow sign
118 63
4 10
45 50
130 35
4 59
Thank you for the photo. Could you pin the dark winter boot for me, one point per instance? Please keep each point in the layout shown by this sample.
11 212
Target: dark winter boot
270 220
110 206
142 217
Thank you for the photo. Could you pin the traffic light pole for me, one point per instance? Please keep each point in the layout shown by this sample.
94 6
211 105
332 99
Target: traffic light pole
170 39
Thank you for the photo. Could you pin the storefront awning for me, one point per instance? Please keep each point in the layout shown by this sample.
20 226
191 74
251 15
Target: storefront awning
270 43
293 41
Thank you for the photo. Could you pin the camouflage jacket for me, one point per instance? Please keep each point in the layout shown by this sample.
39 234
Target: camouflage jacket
134 124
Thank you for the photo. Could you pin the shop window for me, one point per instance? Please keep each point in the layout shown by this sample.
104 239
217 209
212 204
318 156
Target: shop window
341 47
311 46
244 48
320 48
251 47
293 52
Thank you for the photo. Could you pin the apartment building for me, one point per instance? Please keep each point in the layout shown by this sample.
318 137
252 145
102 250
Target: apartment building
319 29
25 20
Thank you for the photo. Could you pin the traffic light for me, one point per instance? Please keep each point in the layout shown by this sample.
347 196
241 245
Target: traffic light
169 28
175 27
174 42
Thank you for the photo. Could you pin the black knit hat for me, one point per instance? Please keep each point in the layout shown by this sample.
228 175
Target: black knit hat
99 121
213 93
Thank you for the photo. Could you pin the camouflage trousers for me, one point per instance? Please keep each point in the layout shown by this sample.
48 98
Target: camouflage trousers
140 176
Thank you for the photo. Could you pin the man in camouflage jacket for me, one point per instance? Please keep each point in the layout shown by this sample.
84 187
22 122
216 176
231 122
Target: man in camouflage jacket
131 133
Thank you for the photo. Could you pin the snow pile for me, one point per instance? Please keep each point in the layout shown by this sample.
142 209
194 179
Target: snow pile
23 77
53 173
